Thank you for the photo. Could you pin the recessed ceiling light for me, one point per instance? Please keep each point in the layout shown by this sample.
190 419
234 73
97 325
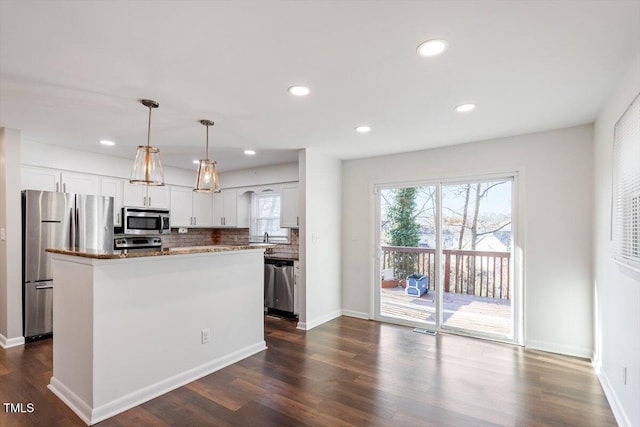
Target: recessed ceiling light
107 142
196 162
465 107
363 129
249 152
432 47
299 90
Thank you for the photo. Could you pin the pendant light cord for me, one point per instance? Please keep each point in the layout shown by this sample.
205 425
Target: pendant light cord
149 130
207 143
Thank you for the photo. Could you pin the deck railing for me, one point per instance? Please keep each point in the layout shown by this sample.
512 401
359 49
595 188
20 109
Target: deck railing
480 273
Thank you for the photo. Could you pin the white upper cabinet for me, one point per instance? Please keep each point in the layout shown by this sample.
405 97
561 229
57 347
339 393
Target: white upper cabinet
144 196
80 183
158 197
190 209
39 179
225 208
181 215
289 207
44 179
112 187
202 209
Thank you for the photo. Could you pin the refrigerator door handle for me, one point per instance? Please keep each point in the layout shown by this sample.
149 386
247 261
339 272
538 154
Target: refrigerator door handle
72 227
44 287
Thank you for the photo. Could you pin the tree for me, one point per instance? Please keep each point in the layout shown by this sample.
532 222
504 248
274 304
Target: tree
404 230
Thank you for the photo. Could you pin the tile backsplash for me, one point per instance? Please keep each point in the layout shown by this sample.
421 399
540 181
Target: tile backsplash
195 237
225 236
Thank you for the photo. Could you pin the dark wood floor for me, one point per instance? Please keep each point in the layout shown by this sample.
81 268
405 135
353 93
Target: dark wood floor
346 372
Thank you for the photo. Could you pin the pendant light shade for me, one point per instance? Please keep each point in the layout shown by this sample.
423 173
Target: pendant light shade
147 168
207 178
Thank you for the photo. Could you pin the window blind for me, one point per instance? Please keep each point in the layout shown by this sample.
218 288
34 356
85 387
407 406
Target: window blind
626 187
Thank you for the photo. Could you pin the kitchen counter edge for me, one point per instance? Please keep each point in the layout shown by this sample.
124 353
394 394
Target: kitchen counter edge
169 251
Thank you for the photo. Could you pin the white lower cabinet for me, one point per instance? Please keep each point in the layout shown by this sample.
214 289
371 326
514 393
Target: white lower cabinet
189 208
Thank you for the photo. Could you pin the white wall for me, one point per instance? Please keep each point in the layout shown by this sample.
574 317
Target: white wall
287 172
320 236
617 289
51 156
11 245
554 188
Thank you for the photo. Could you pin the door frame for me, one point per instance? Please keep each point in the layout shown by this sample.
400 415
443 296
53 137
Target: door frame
516 272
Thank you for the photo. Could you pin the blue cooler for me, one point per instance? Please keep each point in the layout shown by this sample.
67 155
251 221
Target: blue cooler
416 285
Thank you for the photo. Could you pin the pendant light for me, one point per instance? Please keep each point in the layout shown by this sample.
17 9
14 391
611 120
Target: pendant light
207 178
147 168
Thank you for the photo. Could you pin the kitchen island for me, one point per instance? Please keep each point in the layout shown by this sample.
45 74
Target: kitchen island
131 326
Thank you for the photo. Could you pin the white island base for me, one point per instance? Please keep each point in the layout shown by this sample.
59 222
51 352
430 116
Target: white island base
127 330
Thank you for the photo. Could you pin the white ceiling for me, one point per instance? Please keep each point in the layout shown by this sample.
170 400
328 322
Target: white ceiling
72 73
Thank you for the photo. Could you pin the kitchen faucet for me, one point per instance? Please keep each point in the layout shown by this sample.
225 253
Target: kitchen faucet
265 238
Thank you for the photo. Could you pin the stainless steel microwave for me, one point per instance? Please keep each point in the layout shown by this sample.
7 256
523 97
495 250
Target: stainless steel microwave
145 221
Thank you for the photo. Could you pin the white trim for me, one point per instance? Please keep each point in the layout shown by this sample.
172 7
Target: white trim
567 350
100 413
516 176
356 314
10 342
305 326
616 407
77 405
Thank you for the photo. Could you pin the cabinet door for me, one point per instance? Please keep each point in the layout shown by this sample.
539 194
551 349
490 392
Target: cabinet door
181 207
218 209
158 197
134 195
39 179
202 209
80 183
230 207
112 187
289 215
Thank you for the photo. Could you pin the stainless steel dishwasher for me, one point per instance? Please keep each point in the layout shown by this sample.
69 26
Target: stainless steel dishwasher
278 286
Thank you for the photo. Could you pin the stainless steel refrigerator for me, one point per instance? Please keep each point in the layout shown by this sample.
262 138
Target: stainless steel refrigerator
56 220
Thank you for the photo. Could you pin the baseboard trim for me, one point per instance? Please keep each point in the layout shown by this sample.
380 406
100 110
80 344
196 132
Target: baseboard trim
10 342
77 405
145 394
567 350
616 407
306 326
356 314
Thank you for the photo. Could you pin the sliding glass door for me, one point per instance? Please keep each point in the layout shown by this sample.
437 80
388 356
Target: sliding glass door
445 256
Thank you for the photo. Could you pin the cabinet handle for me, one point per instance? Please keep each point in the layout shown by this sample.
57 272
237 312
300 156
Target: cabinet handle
57 186
144 200
149 200
298 221
118 217
64 188
195 220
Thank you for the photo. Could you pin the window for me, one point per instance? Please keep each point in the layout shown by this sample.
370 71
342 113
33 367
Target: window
625 204
265 218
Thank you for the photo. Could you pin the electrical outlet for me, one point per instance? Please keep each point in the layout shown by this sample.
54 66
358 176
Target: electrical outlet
624 375
205 335
182 230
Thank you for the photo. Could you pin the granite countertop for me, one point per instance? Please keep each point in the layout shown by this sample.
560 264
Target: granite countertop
116 254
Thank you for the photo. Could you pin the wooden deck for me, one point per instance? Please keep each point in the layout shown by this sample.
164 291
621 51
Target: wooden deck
481 314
